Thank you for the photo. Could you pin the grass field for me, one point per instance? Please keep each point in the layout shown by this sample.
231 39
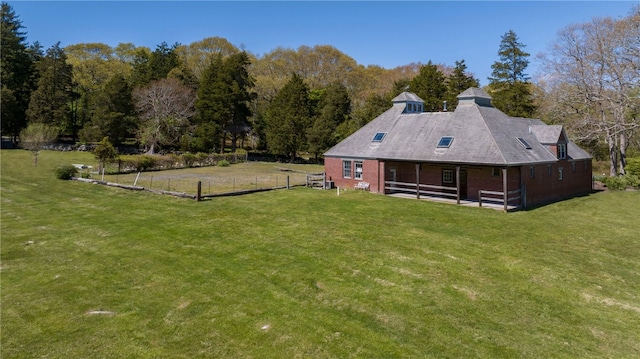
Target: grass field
91 271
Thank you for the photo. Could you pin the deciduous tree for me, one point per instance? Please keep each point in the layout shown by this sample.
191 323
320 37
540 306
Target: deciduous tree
165 107
35 136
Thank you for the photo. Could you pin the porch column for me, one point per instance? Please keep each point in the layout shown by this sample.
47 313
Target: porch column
457 184
418 180
505 195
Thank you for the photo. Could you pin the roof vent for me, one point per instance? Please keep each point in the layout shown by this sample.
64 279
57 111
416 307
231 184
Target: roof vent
476 96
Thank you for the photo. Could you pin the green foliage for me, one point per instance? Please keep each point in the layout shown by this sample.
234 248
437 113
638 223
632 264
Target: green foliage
430 86
288 117
66 172
457 83
620 183
17 73
35 136
188 159
223 163
146 162
105 152
633 166
52 101
509 84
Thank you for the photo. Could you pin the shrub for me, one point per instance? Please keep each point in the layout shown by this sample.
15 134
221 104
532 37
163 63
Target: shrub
633 166
145 162
223 163
189 159
66 172
620 183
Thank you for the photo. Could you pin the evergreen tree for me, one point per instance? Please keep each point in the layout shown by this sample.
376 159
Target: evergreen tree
333 109
457 83
114 115
509 84
288 118
53 100
154 66
16 73
223 102
429 85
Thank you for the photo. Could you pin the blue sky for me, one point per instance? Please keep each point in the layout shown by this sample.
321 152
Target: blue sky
382 33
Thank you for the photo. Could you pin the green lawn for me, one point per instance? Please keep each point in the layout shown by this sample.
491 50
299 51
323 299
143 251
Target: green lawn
305 273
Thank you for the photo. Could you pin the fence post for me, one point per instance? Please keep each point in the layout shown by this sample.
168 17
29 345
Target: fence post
480 198
287 181
199 191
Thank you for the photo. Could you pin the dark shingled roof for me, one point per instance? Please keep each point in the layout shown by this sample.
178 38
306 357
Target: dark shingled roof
481 134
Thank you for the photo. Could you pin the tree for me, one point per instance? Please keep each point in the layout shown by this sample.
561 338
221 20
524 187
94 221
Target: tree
429 85
53 102
104 153
165 107
114 113
156 65
288 118
457 83
35 136
509 84
334 108
16 73
595 72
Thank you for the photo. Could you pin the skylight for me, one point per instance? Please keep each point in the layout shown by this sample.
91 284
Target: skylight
445 142
524 143
379 137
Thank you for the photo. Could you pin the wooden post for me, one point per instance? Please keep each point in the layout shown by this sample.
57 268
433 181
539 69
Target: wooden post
480 198
287 181
199 194
505 194
457 184
417 180
324 180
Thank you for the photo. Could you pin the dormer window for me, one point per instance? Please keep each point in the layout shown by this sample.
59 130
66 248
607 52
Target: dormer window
562 151
413 107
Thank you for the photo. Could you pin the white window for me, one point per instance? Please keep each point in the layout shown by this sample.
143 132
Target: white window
562 151
532 171
358 168
560 173
346 169
447 176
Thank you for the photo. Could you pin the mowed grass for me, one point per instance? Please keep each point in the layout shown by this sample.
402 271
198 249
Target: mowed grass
304 273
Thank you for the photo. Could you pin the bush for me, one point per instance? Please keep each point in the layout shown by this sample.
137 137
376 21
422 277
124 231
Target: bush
223 163
189 159
620 183
145 163
66 172
633 166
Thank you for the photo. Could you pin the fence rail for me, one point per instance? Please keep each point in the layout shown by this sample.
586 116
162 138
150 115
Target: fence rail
500 197
421 189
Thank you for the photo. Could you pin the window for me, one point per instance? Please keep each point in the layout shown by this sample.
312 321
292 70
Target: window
524 143
562 151
358 168
495 172
346 169
379 136
560 173
445 142
447 176
532 171
573 166
549 170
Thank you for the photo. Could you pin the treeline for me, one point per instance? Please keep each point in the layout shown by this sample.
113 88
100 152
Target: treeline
211 96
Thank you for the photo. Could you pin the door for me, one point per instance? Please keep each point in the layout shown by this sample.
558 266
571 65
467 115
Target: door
463 184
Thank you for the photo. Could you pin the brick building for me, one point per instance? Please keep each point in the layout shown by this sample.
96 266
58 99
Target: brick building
475 153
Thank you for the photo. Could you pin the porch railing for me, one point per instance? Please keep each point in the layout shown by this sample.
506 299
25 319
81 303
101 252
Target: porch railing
500 197
422 189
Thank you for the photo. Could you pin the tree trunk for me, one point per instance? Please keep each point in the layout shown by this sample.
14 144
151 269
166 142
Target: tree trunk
623 153
613 156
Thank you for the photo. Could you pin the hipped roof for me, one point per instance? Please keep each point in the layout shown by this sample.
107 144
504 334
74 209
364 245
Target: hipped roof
482 135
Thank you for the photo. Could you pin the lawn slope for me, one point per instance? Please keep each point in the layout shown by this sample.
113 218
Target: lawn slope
89 271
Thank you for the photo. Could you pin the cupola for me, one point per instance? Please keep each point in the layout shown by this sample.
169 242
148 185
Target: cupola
476 96
414 104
